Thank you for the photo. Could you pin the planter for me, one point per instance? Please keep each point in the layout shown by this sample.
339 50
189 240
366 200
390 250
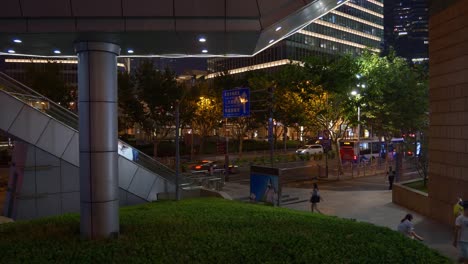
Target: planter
410 198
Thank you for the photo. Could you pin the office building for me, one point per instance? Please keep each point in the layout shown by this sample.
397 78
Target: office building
354 26
406 29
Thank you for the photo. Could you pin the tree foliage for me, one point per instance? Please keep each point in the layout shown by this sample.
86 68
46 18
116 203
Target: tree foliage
207 116
395 100
46 79
158 92
130 109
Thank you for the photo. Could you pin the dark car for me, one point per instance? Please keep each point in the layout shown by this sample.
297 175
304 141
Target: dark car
204 167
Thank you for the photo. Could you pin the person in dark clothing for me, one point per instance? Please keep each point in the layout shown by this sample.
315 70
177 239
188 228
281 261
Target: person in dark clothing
391 177
315 199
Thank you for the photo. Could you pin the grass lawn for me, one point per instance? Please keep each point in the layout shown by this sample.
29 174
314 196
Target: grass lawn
417 185
212 231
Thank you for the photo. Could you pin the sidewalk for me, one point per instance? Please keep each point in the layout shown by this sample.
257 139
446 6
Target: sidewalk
364 199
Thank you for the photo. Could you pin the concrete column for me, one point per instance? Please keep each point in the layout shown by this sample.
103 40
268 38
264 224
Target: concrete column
97 102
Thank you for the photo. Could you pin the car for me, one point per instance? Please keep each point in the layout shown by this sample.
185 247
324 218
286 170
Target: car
310 149
203 166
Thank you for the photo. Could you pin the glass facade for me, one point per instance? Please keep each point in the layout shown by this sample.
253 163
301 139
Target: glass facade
407 29
351 28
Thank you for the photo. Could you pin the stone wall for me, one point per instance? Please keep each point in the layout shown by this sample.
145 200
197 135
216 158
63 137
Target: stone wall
410 198
448 144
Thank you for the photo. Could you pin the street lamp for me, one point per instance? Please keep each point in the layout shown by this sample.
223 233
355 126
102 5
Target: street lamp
360 86
177 142
357 95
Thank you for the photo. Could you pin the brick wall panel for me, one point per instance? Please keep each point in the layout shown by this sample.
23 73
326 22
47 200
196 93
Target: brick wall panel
447 27
445 67
456 10
449 40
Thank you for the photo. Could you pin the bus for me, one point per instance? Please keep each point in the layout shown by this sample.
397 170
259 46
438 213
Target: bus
367 149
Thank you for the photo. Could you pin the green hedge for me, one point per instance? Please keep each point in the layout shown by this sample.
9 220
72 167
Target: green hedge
212 231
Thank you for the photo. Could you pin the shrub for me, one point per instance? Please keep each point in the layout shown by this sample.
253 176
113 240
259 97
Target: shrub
318 156
305 157
293 157
212 231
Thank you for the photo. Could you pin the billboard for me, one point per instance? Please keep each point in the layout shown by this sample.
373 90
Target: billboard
264 185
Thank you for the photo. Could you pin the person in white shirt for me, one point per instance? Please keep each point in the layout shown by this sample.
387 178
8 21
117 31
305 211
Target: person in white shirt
125 151
460 239
406 227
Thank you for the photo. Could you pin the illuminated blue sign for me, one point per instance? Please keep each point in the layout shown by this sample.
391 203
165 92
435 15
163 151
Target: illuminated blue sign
236 103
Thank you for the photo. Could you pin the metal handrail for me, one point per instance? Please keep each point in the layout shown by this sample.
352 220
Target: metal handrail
65 116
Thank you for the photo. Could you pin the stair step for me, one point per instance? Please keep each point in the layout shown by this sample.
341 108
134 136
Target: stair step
295 202
289 199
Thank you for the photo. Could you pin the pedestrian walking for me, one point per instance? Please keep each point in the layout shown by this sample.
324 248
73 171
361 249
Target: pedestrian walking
315 199
406 227
460 239
391 177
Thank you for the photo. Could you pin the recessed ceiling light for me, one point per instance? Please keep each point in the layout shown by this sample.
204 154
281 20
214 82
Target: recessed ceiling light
17 41
11 51
271 41
205 51
130 51
57 51
278 29
202 39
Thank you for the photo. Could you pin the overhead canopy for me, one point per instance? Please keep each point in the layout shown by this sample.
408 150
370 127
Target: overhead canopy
172 28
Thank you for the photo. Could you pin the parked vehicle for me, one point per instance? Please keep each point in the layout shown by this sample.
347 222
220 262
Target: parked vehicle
310 149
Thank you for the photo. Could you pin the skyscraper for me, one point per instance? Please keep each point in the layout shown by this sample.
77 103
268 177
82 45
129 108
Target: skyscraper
406 29
354 26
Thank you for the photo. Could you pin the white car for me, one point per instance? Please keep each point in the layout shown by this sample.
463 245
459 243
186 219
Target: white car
310 149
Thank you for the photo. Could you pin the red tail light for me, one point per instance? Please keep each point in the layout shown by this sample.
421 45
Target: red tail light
197 167
355 157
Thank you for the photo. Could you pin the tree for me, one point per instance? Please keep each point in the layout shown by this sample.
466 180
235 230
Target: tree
260 102
188 102
207 116
157 91
241 126
292 111
334 114
130 109
328 84
395 100
291 106
46 80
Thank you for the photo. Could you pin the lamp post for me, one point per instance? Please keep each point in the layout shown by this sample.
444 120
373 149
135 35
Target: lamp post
359 124
177 140
357 95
